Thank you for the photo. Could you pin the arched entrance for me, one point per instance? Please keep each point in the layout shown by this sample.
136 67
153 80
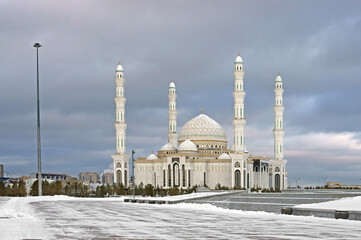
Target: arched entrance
277 182
169 176
244 178
204 179
125 178
119 176
176 175
237 179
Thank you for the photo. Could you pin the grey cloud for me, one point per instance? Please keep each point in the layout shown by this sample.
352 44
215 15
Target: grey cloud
314 45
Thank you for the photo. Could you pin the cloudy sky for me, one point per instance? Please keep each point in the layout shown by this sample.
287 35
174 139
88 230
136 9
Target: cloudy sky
315 45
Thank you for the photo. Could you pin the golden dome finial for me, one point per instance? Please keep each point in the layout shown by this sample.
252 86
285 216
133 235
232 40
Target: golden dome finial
238 54
119 63
172 80
202 110
278 74
152 151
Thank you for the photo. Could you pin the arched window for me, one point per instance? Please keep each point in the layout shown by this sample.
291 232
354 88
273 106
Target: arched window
169 176
163 177
125 178
237 179
176 175
240 68
204 179
119 176
277 182
183 176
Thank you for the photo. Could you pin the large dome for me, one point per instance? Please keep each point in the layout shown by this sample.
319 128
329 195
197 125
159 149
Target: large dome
201 128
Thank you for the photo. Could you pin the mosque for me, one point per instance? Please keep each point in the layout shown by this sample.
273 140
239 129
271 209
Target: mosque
200 153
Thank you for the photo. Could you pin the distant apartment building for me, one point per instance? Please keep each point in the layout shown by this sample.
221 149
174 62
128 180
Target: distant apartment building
108 178
333 185
50 176
1 171
89 177
339 185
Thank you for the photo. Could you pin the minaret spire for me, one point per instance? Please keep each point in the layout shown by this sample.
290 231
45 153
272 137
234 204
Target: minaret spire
239 121
172 116
120 159
278 131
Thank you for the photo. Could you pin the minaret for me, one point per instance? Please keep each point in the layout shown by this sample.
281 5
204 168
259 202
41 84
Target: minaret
239 121
172 116
120 158
278 131
120 124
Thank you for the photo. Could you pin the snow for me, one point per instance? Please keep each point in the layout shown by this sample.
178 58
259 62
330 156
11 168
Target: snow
62 217
343 204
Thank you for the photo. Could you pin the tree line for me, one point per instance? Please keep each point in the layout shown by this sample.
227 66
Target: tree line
18 189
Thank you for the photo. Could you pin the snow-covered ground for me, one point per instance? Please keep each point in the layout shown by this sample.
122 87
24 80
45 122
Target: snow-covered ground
343 204
86 218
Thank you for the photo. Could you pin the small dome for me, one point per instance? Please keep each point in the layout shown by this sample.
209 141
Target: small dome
278 78
238 59
119 68
168 147
224 156
172 85
152 157
187 145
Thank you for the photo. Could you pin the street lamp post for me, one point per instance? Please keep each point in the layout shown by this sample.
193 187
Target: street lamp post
37 45
297 179
324 181
133 178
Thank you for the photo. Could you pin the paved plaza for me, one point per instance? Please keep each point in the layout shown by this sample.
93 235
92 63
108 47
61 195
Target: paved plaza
71 218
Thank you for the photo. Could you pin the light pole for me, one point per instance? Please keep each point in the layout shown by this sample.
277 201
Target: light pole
324 181
297 181
133 178
37 45
9 177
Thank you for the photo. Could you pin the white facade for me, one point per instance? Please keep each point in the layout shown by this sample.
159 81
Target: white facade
200 154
